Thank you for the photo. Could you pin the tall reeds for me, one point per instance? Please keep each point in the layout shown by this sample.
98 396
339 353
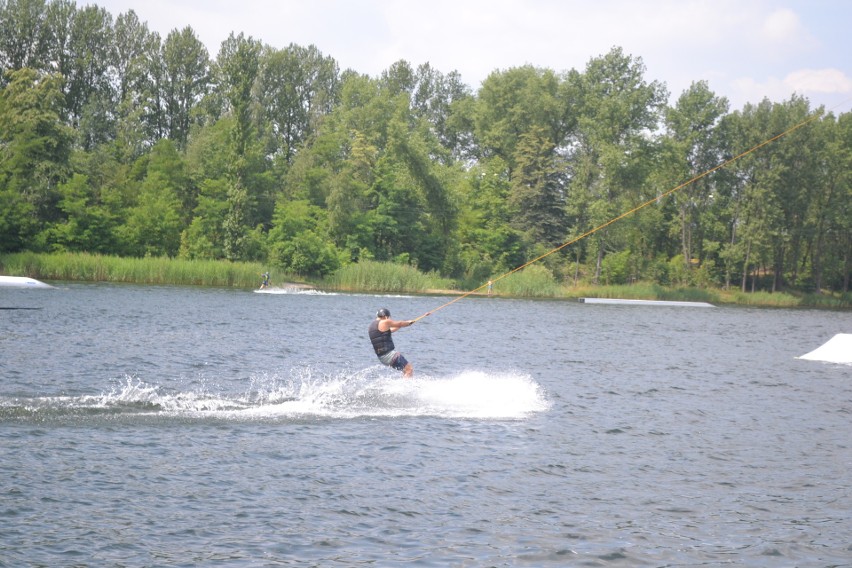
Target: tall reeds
650 291
372 276
100 268
783 300
531 282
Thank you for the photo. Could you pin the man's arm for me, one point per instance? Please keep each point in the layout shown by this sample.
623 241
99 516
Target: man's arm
393 325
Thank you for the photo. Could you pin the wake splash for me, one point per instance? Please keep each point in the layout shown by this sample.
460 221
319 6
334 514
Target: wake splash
304 393
372 393
294 290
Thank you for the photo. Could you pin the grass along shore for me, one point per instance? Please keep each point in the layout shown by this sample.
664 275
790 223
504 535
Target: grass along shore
85 267
372 276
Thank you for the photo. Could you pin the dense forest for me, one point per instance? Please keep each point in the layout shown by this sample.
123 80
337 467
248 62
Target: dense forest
118 141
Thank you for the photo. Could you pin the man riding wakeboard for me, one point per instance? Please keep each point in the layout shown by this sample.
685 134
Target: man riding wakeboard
380 331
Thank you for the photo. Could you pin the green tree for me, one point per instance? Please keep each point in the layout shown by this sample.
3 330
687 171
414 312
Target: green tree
337 170
795 159
487 244
250 196
347 189
130 43
513 103
537 197
748 193
421 188
131 51
617 108
165 161
34 156
385 196
832 218
85 225
204 238
153 226
441 100
151 92
298 241
238 65
186 79
23 38
690 129
89 96
774 193
296 87
57 33
208 170
524 118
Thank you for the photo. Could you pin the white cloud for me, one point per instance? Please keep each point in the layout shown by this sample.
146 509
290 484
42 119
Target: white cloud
748 89
819 81
745 49
781 26
830 86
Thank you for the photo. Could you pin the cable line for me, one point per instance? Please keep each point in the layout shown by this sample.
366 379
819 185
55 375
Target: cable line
630 212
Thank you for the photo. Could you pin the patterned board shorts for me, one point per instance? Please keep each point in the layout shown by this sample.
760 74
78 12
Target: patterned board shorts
394 360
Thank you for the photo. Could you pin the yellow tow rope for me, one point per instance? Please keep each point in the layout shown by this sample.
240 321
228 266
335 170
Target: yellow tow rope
623 215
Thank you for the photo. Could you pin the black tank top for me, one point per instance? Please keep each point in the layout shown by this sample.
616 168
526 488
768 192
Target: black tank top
382 341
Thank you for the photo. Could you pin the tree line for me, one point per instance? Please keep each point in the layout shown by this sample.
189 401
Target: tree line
116 140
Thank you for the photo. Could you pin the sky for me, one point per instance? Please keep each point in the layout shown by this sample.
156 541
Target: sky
746 50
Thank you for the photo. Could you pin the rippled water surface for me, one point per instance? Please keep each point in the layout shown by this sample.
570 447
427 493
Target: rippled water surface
160 426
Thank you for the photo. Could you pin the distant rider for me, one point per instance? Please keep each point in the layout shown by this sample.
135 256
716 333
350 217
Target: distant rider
380 335
265 282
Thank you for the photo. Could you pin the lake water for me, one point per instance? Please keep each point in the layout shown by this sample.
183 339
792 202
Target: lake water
170 426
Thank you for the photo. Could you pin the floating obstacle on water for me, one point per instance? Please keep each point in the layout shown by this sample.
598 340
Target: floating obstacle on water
645 302
838 349
22 282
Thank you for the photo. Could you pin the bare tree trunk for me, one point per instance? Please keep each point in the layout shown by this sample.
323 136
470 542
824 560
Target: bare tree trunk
728 262
733 243
577 269
685 240
817 261
778 270
599 264
745 269
755 271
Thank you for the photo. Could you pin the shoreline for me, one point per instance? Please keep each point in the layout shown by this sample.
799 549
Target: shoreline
594 294
588 295
379 278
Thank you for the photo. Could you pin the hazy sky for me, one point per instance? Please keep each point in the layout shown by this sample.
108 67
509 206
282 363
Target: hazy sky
745 49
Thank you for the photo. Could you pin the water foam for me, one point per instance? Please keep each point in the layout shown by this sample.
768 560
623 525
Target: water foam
478 394
371 392
306 392
295 290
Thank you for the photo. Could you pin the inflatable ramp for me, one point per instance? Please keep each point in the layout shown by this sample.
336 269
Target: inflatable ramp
22 282
645 302
838 349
